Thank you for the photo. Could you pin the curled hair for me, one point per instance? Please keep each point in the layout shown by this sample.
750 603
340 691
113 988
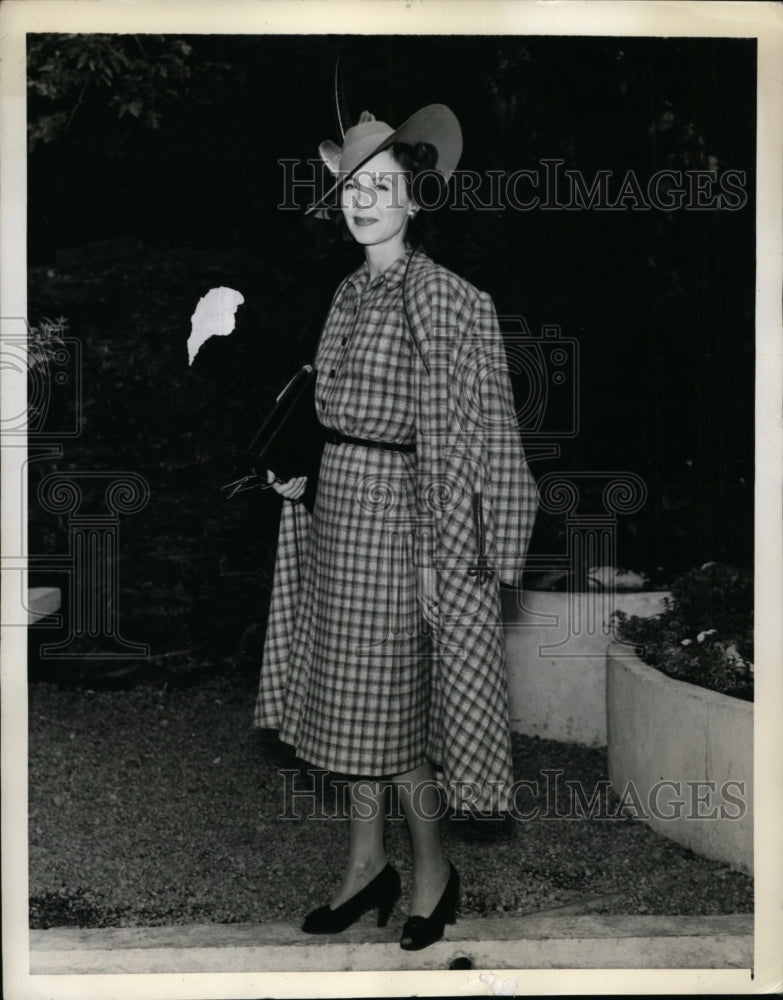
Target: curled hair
425 184
414 159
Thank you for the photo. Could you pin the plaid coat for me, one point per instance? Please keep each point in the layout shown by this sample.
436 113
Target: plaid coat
352 676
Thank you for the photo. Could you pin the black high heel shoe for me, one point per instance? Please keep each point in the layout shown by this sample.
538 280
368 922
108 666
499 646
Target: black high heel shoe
419 932
382 892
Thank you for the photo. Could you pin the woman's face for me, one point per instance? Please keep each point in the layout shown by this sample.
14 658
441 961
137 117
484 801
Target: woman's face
376 203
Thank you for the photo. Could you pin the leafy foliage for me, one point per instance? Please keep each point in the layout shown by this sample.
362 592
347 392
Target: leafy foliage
44 339
195 571
124 75
705 634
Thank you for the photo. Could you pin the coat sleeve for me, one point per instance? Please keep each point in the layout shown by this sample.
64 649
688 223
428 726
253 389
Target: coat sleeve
510 492
468 443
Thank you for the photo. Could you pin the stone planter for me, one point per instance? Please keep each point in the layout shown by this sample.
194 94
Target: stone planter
685 754
556 657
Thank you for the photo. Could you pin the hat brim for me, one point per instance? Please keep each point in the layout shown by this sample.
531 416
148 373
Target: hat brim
435 124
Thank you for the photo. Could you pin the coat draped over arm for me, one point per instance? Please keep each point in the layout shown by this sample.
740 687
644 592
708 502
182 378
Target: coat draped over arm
471 473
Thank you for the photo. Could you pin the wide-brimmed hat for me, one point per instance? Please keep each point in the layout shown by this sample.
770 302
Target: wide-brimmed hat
434 123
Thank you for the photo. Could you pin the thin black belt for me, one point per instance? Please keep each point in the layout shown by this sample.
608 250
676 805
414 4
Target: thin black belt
334 437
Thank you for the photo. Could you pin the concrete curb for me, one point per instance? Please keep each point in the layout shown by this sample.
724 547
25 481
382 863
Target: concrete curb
533 942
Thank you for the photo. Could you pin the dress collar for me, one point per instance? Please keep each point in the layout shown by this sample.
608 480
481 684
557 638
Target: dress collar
392 276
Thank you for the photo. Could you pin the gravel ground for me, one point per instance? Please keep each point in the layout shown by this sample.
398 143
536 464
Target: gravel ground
162 805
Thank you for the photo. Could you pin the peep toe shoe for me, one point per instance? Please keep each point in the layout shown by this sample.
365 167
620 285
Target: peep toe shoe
419 932
382 893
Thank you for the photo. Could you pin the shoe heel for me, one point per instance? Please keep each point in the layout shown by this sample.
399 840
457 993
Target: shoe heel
450 912
385 908
453 904
382 892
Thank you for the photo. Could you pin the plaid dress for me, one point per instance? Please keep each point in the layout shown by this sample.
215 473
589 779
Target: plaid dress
351 675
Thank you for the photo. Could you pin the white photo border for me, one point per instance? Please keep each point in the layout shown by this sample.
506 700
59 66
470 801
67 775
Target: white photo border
762 21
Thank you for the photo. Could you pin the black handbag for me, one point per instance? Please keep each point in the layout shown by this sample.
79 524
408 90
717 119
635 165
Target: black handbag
289 442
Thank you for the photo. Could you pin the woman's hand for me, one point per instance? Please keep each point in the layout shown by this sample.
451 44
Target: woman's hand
427 594
291 490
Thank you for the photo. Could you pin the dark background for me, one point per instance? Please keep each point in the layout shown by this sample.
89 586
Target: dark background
153 176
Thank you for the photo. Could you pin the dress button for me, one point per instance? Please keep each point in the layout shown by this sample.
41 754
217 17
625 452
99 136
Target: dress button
344 341
332 373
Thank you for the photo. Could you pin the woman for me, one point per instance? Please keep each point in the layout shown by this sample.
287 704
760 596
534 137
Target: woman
384 651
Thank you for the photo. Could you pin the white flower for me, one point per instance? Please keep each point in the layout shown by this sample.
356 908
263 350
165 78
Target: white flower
703 635
686 642
733 654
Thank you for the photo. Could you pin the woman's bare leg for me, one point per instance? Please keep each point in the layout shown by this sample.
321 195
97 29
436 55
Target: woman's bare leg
420 799
367 855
